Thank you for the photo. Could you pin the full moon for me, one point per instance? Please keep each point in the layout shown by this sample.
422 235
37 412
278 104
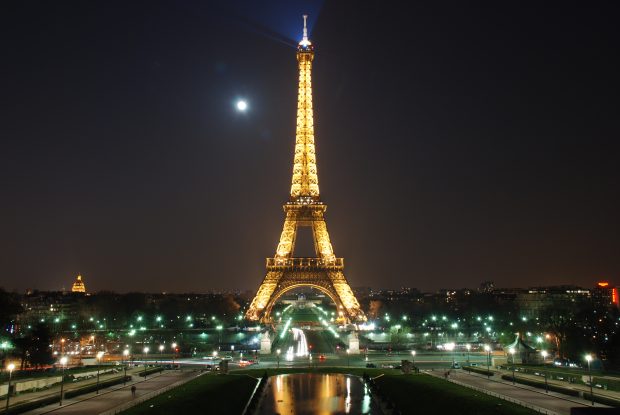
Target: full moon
242 105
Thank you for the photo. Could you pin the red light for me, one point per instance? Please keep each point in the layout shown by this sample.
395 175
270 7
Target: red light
614 296
603 284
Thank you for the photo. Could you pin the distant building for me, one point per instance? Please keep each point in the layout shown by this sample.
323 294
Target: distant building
535 300
78 285
487 287
55 306
605 295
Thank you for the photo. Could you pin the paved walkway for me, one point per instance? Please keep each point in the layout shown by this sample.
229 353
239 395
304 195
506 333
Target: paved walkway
551 403
576 386
55 390
115 396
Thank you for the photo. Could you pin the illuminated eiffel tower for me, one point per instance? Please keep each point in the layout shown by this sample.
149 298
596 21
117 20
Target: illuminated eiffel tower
304 208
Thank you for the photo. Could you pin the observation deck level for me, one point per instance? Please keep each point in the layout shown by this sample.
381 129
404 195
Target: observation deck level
305 264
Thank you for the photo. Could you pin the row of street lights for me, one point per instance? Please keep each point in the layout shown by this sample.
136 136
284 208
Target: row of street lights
544 355
63 363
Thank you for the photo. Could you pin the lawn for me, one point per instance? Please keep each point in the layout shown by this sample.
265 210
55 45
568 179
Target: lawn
414 394
228 394
213 394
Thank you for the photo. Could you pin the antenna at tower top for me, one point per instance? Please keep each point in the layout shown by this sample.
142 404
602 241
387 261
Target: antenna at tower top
305 27
304 40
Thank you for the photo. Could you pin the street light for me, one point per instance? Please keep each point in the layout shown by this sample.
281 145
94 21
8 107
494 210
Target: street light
174 352
161 351
146 355
125 355
10 368
450 347
219 331
487 348
278 357
544 355
468 347
99 356
63 363
348 361
413 359
512 354
589 359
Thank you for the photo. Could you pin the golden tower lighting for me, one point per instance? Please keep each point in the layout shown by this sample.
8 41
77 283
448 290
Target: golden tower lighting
304 208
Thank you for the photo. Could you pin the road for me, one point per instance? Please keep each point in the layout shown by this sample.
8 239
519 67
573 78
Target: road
553 402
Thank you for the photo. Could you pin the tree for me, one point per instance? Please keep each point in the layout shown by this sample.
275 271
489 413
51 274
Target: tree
35 347
9 308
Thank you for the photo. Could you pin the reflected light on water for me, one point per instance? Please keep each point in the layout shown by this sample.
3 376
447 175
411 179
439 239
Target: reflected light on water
313 393
347 402
366 400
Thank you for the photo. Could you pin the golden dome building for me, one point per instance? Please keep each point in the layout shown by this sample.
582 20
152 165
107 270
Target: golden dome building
78 285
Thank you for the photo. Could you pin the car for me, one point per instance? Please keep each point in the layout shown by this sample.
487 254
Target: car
456 365
227 357
387 366
473 364
371 365
244 363
322 357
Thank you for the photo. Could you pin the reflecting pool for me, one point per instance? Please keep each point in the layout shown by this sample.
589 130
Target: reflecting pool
313 393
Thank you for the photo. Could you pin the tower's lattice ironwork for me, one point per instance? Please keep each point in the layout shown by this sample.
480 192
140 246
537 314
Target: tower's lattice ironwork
304 208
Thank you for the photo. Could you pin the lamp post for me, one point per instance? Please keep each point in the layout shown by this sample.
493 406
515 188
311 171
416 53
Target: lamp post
174 352
468 347
487 348
413 358
63 363
161 351
99 356
544 356
10 368
146 355
278 357
348 360
589 359
450 347
512 354
219 331
125 355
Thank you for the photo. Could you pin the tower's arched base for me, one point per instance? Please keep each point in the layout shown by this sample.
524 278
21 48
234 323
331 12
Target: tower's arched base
331 283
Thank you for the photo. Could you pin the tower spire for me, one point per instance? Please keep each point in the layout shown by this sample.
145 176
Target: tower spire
305 38
305 182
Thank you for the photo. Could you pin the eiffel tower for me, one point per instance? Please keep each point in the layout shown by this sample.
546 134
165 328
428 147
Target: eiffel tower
304 208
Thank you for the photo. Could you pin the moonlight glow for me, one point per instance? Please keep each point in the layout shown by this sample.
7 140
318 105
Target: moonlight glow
242 105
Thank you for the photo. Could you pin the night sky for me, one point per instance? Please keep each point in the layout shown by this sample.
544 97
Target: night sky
456 143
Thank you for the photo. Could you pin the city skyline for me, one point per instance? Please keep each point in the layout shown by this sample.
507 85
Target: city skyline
446 159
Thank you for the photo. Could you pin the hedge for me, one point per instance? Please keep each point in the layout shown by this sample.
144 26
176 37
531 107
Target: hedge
612 384
92 388
150 371
538 384
479 371
29 406
602 399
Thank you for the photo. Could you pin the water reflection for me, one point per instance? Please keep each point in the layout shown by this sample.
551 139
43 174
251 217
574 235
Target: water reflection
313 393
